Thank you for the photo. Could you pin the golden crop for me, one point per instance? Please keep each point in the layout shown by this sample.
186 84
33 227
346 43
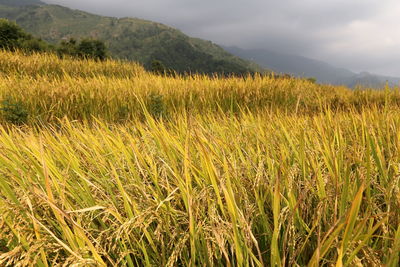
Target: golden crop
116 166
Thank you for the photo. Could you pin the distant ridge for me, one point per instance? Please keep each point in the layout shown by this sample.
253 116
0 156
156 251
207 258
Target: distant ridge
305 67
127 38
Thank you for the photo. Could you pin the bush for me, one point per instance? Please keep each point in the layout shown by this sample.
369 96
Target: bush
67 48
87 48
3 246
157 67
156 105
14 111
94 49
34 45
312 80
11 35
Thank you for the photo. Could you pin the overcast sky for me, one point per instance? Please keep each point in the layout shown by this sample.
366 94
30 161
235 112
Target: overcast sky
355 34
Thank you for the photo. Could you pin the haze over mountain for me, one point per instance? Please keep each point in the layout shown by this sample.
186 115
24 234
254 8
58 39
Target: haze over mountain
127 38
305 67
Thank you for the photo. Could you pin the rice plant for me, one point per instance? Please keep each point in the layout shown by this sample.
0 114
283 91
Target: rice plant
250 171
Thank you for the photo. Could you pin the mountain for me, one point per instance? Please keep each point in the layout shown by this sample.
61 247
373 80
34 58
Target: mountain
127 38
367 79
292 64
305 67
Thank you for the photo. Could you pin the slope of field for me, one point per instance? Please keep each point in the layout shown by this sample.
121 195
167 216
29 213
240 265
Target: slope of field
115 166
127 38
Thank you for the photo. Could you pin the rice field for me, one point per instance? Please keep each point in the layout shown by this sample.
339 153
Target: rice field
109 165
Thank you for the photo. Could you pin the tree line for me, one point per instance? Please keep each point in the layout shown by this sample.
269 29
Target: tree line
13 37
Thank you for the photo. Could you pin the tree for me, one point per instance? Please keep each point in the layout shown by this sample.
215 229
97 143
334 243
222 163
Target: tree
68 48
11 35
34 45
89 48
157 67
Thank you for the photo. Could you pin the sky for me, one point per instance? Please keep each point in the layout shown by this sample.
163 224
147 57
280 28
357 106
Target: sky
361 35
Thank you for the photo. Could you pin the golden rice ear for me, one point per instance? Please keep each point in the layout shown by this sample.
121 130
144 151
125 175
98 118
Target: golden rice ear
120 167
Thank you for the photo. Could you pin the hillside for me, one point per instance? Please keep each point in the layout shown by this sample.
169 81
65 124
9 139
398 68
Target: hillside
305 67
127 38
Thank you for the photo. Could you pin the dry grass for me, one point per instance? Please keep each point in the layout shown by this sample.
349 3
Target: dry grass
198 172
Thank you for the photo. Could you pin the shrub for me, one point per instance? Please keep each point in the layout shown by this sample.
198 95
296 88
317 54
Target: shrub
157 67
87 48
312 80
3 246
10 35
156 105
34 45
14 111
95 49
13 37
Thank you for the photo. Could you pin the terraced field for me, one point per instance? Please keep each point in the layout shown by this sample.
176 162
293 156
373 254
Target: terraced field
104 164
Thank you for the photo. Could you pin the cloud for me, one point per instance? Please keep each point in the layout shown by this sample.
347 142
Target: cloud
356 34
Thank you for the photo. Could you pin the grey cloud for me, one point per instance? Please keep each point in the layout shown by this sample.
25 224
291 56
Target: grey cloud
356 34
